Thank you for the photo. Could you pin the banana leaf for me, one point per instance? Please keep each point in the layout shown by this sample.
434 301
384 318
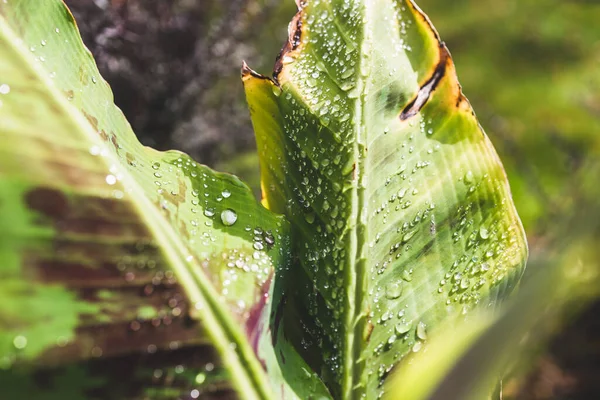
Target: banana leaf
400 210
126 272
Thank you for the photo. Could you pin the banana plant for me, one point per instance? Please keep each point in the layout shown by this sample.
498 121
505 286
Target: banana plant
131 273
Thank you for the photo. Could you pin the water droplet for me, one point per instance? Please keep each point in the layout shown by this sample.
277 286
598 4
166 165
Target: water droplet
4 89
111 179
276 90
209 212
422 331
270 240
393 290
402 327
225 193
20 342
469 177
465 283
310 217
483 233
228 217
407 236
385 316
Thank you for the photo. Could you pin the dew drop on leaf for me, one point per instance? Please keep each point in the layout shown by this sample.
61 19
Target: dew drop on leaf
422 331
228 217
469 177
483 233
20 342
393 290
465 283
402 328
407 236
310 218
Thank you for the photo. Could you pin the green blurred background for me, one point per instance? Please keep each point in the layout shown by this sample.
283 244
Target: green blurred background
531 70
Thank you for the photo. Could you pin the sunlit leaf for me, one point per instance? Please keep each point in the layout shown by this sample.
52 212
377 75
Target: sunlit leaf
400 209
110 248
466 362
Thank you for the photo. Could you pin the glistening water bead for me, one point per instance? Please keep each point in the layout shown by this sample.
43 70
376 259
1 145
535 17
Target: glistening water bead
393 290
228 217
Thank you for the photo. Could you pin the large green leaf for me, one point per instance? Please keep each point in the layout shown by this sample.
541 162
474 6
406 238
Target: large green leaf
401 212
109 248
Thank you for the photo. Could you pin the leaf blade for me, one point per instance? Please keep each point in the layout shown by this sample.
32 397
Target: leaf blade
379 151
122 216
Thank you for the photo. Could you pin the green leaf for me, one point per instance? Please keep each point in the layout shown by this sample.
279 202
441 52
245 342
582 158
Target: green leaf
110 248
401 213
467 360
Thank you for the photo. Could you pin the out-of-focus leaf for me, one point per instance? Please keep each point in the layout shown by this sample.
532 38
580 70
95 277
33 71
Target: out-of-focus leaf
401 212
109 248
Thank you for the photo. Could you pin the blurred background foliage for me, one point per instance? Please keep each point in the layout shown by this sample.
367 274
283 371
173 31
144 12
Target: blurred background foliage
531 70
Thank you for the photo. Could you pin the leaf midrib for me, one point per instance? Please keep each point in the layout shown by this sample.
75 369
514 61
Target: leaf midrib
356 264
